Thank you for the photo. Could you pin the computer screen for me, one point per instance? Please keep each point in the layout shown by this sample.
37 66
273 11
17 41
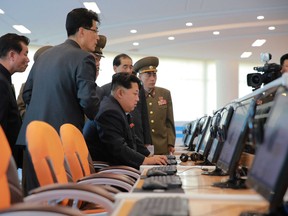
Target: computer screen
217 143
207 139
268 174
185 132
195 129
235 141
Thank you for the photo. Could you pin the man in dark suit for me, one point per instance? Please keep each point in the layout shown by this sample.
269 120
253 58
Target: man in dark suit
61 85
13 58
117 144
123 63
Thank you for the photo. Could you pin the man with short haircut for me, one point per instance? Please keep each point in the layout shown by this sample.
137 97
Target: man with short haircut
13 58
116 143
139 116
61 85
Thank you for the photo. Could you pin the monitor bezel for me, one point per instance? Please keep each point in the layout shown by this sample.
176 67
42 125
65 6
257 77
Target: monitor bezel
202 132
217 144
229 167
273 195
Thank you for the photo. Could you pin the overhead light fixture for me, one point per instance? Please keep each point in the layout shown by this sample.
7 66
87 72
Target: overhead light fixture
271 28
135 44
189 24
22 29
92 6
246 54
216 33
1 11
133 31
258 43
171 38
260 17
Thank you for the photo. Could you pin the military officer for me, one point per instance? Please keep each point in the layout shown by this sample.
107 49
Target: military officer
98 53
159 105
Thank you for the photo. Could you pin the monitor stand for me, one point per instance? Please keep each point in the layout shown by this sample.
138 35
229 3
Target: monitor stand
216 172
233 182
280 211
204 163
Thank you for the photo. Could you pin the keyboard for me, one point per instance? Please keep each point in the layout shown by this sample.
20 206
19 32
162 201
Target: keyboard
161 206
169 170
162 182
171 157
172 162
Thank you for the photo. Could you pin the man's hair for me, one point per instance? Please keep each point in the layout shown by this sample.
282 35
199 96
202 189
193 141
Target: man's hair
12 41
124 80
80 17
283 58
117 59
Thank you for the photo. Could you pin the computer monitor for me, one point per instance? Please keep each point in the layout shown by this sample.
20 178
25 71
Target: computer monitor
195 128
268 174
203 136
234 144
186 130
220 136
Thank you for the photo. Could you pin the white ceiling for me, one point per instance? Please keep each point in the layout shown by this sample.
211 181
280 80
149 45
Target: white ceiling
156 20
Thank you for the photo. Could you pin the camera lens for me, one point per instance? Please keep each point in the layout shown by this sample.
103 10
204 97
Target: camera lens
256 79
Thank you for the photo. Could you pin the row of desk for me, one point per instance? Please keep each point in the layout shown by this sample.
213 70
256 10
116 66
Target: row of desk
204 199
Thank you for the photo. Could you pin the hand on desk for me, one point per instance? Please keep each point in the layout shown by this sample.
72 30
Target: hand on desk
155 159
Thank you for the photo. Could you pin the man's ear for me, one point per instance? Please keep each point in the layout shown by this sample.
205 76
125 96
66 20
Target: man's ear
120 92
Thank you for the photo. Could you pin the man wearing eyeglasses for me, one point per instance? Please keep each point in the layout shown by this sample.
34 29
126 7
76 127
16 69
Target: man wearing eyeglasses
61 85
159 105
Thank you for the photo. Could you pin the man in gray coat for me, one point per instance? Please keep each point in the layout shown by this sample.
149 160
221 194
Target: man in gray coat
61 85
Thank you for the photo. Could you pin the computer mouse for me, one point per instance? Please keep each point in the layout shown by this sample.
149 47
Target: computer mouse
155 173
154 185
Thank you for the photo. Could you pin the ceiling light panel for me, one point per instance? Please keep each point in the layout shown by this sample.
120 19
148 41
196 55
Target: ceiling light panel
22 29
258 43
92 6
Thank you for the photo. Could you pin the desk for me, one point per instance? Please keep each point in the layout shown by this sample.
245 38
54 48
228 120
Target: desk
202 206
204 199
195 183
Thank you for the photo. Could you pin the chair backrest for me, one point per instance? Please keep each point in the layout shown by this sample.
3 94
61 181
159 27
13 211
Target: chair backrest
76 151
9 183
46 152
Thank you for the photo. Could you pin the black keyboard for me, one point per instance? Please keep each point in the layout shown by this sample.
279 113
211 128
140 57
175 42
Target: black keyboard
172 162
169 170
162 206
169 157
164 182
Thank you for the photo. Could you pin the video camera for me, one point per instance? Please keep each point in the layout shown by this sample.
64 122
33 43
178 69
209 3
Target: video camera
268 72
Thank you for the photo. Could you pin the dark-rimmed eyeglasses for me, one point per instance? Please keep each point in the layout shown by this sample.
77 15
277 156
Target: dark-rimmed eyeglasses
94 30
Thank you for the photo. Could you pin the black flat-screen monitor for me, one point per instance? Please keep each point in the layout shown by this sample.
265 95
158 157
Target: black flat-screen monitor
234 143
207 140
195 128
268 174
221 130
203 128
185 133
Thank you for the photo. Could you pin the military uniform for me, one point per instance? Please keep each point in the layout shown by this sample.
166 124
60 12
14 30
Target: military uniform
160 109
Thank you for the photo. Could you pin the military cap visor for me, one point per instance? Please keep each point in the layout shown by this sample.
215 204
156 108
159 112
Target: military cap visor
100 46
147 64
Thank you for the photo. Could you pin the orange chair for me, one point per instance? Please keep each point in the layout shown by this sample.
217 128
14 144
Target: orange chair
80 162
70 134
46 158
11 197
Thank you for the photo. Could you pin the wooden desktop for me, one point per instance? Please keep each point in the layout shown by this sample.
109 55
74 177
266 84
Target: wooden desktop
204 199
